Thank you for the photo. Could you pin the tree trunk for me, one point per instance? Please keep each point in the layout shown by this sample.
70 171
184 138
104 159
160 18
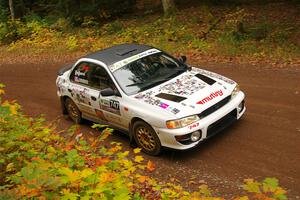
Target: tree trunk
168 5
12 10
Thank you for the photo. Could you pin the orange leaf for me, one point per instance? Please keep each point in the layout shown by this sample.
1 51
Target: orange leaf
150 166
102 161
107 177
69 147
114 149
142 179
2 91
35 158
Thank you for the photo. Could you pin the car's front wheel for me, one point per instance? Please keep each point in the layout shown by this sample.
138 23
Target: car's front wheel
146 138
73 111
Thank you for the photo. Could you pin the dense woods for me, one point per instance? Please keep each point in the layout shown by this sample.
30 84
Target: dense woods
267 30
76 10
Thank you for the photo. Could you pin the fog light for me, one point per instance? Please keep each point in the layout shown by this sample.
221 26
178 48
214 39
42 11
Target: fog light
195 136
240 107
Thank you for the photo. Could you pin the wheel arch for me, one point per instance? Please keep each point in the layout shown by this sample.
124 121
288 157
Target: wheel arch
132 121
63 105
133 138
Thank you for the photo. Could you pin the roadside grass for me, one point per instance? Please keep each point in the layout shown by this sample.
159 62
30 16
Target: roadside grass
221 34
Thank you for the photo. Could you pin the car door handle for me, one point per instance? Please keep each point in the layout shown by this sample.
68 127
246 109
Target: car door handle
93 98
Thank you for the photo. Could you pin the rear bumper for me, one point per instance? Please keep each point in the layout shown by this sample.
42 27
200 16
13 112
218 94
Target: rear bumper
209 125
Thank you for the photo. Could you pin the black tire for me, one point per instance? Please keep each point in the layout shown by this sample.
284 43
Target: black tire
73 111
146 138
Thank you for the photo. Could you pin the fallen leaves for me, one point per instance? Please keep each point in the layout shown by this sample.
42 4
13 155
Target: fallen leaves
137 150
101 161
150 166
142 179
138 159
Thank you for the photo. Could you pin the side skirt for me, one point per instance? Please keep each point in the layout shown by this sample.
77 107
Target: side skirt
96 120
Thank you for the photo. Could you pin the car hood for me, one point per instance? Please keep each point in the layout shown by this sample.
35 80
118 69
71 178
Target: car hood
190 93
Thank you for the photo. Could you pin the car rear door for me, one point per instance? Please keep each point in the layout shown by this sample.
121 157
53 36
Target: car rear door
81 89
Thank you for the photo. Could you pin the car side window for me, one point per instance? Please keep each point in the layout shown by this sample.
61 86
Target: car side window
99 78
80 73
92 75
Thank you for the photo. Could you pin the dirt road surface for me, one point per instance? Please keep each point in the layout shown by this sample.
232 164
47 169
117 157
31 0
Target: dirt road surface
264 143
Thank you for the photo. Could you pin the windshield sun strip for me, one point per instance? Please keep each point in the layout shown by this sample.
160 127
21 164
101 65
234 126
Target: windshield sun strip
126 61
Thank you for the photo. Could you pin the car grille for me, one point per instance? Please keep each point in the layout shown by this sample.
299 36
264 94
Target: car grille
215 107
221 124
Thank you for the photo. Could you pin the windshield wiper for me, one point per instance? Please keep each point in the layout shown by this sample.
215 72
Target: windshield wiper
134 84
178 72
153 84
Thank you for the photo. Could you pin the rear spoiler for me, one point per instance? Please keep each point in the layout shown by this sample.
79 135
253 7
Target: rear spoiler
64 69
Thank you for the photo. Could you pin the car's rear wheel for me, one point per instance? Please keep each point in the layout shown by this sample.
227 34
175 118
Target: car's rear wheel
146 138
73 111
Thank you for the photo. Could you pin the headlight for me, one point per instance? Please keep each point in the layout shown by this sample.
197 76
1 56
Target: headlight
179 123
236 90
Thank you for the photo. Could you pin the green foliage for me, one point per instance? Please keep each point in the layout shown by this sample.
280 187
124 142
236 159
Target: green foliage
232 33
72 43
17 29
267 189
113 28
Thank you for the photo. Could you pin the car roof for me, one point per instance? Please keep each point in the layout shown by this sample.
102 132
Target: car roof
117 53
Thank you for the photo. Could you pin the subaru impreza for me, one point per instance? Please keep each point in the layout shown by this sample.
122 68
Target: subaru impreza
158 100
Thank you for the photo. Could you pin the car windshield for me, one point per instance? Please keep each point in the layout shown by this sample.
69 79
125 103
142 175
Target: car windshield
148 72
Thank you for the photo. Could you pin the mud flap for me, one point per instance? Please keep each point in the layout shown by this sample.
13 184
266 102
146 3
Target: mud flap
132 142
63 106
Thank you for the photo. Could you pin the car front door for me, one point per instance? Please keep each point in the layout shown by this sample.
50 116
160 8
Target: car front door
108 108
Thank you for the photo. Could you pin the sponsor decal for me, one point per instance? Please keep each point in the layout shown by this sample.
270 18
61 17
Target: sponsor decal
148 98
175 111
80 95
211 97
100 115
195 125
183 86
79 73
124 62
114 104
111 106
163 105
80 76
81 80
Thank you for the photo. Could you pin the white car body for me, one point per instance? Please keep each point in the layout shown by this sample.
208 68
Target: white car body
217 102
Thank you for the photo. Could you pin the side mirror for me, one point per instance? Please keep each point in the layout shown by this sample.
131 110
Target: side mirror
107 92
182 59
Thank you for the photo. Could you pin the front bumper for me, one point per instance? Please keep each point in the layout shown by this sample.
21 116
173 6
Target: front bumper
209 125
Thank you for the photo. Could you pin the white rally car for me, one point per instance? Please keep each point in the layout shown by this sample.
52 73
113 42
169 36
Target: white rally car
158 100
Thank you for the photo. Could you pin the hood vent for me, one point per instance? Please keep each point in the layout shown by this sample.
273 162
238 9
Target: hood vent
206 79
170 97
